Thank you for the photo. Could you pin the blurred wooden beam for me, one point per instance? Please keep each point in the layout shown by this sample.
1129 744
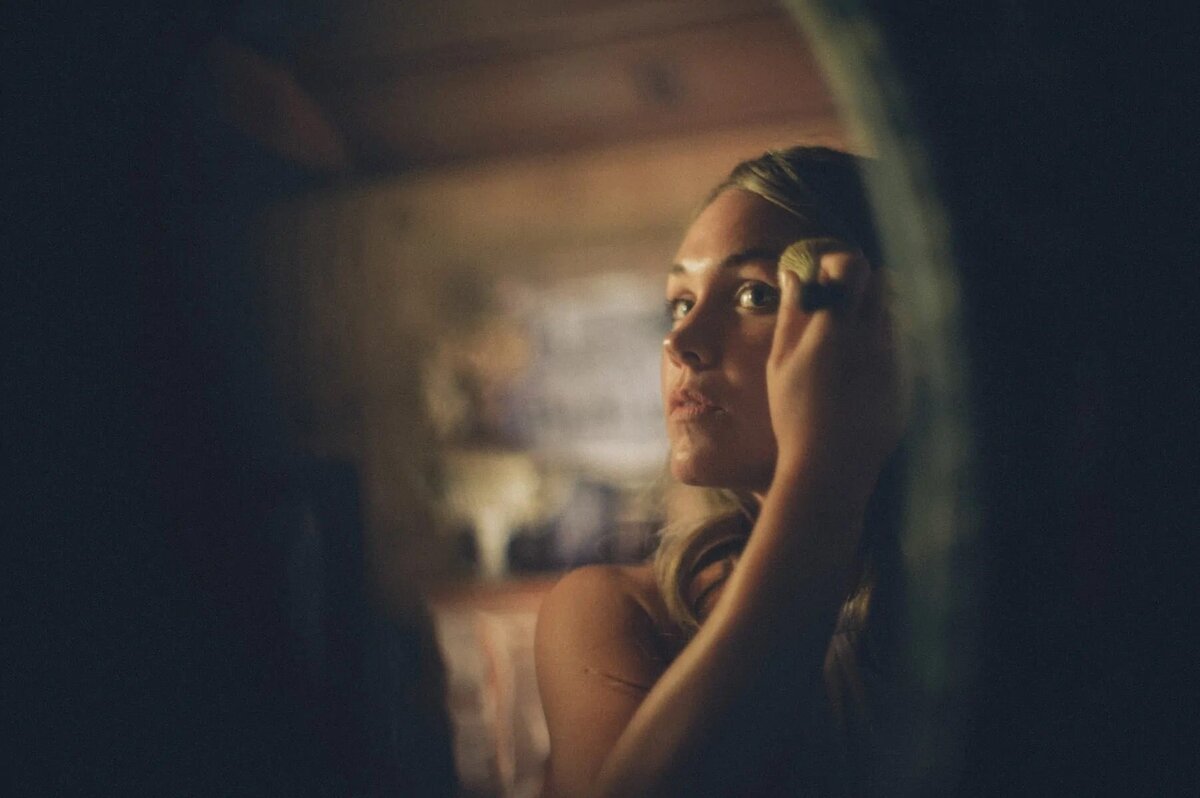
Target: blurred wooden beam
747 70
528 215
424 34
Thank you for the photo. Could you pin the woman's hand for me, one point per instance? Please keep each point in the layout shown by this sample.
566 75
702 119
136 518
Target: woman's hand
834 380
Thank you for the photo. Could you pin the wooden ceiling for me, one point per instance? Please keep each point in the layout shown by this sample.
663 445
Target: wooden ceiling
418 85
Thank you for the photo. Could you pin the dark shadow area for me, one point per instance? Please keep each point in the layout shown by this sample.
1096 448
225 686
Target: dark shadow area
191 615
1058 137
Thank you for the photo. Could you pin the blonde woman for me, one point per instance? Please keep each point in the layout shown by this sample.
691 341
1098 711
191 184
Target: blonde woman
746 659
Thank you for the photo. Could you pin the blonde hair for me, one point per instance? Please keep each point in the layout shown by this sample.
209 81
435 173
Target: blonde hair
823 188
684 542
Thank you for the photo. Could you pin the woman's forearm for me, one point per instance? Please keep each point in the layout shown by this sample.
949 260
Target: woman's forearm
775 616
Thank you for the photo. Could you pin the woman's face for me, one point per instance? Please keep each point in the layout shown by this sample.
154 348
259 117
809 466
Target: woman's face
722 297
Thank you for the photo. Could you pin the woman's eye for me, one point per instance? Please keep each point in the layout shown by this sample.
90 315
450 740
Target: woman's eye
678 308
758 296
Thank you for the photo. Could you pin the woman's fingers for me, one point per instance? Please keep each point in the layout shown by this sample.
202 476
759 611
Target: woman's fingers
833 380
846 288
841 277
824 283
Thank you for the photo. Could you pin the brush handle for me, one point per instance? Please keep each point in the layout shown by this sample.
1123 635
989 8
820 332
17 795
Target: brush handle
816 296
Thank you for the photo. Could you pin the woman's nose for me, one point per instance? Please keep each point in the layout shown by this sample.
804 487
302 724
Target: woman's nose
692 342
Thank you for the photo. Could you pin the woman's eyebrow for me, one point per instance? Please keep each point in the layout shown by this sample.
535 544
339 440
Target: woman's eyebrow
738 258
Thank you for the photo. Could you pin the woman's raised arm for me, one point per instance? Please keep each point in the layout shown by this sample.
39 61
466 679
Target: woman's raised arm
622 725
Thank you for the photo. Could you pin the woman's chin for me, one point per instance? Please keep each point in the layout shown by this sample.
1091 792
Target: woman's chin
738 458
691 468
690 471
701 473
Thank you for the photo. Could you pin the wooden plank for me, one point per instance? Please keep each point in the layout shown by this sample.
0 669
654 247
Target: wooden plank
751 71
504 212
419 35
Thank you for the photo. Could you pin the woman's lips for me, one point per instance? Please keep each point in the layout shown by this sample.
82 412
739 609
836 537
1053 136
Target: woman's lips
688 404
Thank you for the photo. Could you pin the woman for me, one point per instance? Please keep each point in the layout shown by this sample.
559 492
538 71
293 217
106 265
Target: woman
746 659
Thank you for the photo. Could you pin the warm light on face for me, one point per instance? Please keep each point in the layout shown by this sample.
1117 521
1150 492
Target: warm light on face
722 295
691 266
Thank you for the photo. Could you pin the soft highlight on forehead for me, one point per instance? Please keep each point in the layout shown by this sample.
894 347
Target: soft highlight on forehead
752 255
737 228
691 266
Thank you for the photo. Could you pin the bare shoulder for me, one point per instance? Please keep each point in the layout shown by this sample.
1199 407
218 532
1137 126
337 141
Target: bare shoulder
600 647
606 585
605 611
